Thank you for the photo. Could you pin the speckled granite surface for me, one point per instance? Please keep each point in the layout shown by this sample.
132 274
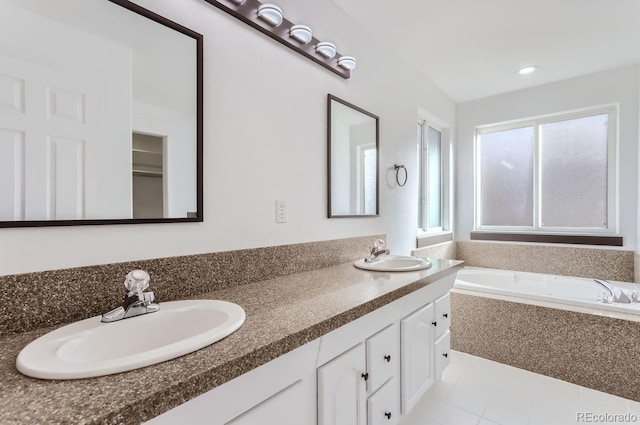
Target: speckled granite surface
609 264
636 267
585 349
282 314
33 300
441 250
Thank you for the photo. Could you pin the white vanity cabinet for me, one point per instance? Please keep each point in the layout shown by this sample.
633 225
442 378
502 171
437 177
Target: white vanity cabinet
357 374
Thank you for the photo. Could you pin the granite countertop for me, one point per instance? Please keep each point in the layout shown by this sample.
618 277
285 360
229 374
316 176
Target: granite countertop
282 314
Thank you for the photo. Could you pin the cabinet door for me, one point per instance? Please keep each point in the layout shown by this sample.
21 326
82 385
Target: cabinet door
443 315
416 351
442 353
383 407
342 389
383 356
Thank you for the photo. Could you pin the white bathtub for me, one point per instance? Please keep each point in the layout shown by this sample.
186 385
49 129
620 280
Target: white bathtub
566 290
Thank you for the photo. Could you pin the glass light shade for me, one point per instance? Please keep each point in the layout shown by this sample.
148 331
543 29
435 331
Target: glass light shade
347 62
302 33
238 2
326 49
271 14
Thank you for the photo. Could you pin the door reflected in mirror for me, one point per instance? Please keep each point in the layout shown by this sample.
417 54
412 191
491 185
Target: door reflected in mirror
100 115
353 138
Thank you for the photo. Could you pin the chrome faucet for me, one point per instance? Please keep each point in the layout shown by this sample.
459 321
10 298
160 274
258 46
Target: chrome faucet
136 302
376 251
617 294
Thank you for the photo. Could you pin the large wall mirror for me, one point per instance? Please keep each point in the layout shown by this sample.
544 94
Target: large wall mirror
353 138
100 115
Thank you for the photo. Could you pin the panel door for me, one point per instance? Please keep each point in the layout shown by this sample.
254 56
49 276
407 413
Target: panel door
65 122
342 389
416 350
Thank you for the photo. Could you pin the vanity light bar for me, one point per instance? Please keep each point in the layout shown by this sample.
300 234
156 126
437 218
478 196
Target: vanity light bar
269 19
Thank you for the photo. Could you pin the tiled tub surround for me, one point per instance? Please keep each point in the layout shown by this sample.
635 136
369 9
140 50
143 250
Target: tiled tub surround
441 250
282 314
603 263
588 349
612 264
33 300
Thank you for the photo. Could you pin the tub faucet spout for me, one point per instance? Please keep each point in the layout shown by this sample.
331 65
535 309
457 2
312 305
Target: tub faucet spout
617 294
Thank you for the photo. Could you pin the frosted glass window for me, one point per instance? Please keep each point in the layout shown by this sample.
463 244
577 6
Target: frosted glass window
434 168
574 172
554 174
432 178
507 177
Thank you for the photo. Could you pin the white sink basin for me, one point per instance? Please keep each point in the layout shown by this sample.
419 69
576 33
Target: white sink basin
394 263
91 348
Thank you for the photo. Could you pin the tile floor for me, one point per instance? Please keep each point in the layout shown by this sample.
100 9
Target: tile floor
476 391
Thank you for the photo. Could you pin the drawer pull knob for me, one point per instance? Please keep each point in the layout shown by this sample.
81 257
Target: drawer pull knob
445 314
387 358
365 376
445 354
434 323
388 415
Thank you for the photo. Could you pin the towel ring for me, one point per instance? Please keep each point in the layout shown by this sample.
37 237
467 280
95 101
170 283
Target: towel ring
406 174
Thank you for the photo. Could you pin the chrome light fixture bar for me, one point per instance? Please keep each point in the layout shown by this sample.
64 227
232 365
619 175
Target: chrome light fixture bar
264 18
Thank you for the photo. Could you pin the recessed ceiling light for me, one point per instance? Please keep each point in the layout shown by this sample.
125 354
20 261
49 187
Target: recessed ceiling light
528 69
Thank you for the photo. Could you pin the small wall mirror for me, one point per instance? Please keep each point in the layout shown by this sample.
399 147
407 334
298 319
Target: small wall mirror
100 115
353 140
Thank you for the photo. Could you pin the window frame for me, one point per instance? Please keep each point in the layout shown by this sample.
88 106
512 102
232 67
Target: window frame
427 120
536 123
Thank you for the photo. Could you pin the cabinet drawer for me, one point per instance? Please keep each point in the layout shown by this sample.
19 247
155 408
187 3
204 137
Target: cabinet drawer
442 315
383 407
442 353
383 356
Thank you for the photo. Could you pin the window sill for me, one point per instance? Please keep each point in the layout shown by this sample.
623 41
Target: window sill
547 238
427 239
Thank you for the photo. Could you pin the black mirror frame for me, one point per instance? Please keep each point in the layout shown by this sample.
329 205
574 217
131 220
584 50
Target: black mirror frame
330 98
199 136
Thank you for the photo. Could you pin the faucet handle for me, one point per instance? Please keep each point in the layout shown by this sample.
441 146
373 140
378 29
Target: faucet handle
136 282
377 245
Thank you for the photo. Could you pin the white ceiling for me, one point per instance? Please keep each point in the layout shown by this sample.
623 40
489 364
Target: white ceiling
474 48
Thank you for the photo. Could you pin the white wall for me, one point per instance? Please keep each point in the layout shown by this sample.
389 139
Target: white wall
614 86
264 139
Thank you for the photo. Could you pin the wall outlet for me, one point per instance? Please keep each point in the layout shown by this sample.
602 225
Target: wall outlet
281 212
